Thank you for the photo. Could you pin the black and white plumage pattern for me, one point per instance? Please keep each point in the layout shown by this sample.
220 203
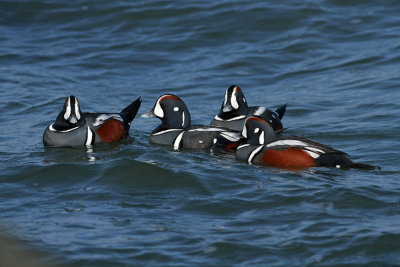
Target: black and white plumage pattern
262 146
235 110
75 128
176 130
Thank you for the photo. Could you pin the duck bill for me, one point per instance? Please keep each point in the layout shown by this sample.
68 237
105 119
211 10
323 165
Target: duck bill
227 108
149 114
73 119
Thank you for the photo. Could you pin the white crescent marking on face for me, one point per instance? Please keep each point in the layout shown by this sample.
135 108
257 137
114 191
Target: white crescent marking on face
226 98
68 109
234 102
89 137
158 111
178 140
253 154
244 132
77 113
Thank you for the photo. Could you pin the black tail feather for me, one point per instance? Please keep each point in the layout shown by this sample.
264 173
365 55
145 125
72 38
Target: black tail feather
281 111
130 111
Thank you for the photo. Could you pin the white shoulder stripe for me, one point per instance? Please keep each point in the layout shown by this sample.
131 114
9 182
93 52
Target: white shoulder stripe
89 137
253 154
288 142
178 140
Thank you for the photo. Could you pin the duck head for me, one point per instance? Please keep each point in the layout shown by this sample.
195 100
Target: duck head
257 131
70 116
234 104
172 112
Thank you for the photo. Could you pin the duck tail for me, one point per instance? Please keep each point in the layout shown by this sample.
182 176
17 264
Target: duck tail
281 111
131 110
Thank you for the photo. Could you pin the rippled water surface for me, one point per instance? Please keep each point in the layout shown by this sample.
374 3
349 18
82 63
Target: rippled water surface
335 63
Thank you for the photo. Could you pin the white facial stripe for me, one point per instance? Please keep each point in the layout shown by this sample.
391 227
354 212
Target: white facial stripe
253 154
244 132
226 98
183 119
178 140
234 102
261 138
158 110
77 113
68 109
89 137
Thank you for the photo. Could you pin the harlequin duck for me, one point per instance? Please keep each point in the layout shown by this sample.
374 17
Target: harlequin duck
176 129
234 111
74 128
263 147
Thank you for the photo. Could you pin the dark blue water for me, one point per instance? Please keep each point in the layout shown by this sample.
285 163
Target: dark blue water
336 65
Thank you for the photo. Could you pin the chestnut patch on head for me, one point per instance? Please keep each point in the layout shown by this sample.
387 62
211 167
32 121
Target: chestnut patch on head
172 97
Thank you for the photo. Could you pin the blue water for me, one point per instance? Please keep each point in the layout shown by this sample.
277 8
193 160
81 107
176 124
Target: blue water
335 64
